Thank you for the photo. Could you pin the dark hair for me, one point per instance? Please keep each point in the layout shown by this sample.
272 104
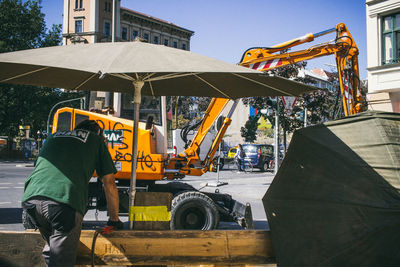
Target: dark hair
90 125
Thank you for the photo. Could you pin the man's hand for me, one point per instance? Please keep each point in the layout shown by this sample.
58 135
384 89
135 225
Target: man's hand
118 225
111 192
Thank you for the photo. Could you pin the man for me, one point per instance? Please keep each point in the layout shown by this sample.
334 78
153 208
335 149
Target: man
239 156
56 193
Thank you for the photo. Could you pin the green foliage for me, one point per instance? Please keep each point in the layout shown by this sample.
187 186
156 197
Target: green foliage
249 131
53 37
185 109
27 105
321 105
22 26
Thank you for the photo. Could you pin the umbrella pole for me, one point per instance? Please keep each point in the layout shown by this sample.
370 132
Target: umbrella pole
136 106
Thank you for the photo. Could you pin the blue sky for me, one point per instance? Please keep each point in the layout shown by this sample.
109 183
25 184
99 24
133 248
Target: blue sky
224 29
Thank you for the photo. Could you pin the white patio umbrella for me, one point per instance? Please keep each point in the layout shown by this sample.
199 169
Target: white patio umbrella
140 68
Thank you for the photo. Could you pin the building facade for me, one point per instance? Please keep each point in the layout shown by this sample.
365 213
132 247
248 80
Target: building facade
91 21
383 52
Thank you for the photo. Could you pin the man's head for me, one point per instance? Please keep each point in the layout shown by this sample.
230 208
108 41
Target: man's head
90 125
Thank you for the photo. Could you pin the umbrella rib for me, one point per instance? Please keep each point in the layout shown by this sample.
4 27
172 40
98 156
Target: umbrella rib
85 81
171 76
122 76
212 86
268 86
152 90
148 76
24 74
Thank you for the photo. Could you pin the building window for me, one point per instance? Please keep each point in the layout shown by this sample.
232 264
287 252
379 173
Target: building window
146 36
155 40
78 4
183 46
175 44
107 6
124 33
150 106
78 26
134 34
166 42
391 39
107 28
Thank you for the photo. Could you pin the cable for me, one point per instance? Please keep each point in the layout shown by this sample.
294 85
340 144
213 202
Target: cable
103 231
185 131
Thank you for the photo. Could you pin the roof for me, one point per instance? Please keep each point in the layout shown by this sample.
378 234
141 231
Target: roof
312 74
154 18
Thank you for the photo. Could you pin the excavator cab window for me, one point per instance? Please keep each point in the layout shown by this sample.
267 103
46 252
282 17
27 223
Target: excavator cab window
64 121
79 118
149 122
150 106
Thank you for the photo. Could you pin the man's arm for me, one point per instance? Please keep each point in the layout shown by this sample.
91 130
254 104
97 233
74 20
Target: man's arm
111 191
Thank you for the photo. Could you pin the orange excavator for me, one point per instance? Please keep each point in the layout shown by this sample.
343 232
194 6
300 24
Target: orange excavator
343 48
192 209
263 59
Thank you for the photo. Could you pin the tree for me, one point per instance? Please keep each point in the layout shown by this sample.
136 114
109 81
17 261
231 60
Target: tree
249 131
320 104
185 109
22 26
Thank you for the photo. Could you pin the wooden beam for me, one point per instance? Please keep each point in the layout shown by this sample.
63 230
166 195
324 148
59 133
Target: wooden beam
166 248
19 249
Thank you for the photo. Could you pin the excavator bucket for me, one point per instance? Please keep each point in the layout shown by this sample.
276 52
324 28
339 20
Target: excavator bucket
336 198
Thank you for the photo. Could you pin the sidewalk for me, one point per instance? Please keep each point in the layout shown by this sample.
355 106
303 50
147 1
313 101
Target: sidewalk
18 163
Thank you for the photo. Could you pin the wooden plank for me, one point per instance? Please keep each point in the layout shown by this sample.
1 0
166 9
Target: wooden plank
201 265
165 248
19 249
153 199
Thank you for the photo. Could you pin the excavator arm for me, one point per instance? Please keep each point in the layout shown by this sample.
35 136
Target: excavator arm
343 48
185 162
266 58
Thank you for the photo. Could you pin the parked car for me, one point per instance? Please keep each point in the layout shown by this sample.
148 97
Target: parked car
272 161
260 155
232 152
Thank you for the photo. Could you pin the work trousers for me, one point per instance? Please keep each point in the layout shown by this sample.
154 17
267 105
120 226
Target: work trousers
60 226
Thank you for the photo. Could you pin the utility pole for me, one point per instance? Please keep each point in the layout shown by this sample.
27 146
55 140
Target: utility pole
109 95
305 117
276 137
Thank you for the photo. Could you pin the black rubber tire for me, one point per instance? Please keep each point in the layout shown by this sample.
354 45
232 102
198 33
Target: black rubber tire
264 167
272 165
26 221
193 211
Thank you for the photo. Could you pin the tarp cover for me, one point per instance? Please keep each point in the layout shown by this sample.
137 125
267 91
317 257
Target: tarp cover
335 201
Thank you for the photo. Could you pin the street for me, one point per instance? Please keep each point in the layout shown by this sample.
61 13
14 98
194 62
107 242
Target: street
244 187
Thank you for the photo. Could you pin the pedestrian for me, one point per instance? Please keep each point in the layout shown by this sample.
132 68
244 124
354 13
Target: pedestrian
239 156
56 193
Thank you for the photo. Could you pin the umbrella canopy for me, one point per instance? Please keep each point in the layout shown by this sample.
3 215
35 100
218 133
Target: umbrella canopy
335 201
165 71
140 68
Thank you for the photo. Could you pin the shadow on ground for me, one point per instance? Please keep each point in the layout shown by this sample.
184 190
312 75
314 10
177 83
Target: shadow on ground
10 215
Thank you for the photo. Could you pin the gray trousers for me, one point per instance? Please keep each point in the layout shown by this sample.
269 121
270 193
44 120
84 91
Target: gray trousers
60 226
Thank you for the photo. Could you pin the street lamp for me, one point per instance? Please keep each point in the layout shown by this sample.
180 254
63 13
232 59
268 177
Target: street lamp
82 99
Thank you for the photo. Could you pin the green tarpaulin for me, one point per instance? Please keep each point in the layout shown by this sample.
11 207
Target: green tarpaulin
336 198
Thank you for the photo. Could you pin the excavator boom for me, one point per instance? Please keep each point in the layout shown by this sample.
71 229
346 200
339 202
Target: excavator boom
343 48
266 58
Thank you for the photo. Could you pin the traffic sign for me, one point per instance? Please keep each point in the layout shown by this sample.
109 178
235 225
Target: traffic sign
289 102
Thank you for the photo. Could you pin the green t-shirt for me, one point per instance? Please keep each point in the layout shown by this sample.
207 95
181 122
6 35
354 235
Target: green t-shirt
65 165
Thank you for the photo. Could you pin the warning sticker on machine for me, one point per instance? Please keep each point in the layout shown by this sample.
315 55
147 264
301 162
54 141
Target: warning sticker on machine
118 165
114 137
